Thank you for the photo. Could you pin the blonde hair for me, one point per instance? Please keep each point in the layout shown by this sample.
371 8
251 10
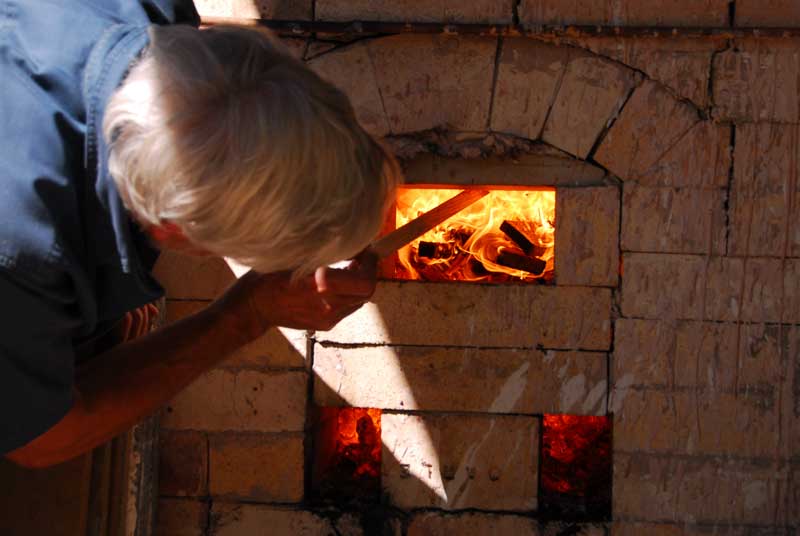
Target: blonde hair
250 153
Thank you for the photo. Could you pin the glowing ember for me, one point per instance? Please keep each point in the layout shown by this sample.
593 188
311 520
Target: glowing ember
348 453
576 465
359 441
506 236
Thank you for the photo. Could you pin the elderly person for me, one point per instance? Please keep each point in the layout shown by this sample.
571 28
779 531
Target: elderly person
127 130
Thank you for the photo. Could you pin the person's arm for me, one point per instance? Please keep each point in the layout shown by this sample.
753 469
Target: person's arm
133 380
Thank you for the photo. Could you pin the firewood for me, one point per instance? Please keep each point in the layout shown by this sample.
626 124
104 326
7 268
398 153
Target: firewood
532 265
419 226
434 250
512 230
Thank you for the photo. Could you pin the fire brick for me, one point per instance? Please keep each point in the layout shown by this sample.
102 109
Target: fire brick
473 524
457 314
181 517
244 400
587 248
701 159
682 64
481 11
625 12
591 92
183 463
690 354
673 220
701 490
267 9
758 81
765 193
456 462
451 379
260 520
257 467
764 289
185 277
430 81
543 167
630 528
651 122
663 286
350 69
278 347
686 422
766 13
711 288
724 277
527 78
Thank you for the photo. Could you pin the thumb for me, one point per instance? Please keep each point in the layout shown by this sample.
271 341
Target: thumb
321 279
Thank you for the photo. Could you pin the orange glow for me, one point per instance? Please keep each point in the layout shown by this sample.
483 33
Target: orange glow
576 464
471 246
347 455
359 440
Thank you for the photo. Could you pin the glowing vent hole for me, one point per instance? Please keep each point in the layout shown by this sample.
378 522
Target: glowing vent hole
347 455
576 467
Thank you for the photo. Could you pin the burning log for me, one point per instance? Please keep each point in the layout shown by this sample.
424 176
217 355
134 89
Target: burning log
532 265
512 230
435 250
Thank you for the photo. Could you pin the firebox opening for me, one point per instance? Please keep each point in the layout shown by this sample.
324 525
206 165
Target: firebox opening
508 236
347 455
576 469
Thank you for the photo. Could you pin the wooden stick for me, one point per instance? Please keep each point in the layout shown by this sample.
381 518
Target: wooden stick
532 265
514 232
417 227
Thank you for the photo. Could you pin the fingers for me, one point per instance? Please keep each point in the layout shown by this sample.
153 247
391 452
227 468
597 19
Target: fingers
359 282
334 317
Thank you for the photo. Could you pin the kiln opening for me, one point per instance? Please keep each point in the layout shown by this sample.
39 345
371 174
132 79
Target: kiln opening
507 236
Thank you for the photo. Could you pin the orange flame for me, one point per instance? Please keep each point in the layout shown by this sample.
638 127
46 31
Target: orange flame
359 439
470 246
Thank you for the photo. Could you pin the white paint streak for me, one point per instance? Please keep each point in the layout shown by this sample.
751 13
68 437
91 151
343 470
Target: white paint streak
511 391
592 404
619 392
572 391
457 486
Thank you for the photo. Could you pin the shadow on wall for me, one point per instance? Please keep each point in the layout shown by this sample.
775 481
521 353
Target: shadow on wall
457 427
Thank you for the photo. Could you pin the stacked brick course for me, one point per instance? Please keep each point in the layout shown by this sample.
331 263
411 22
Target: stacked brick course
676 306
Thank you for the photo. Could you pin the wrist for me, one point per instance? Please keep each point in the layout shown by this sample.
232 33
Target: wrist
236 314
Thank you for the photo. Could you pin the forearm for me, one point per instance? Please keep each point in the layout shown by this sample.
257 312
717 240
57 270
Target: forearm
124 385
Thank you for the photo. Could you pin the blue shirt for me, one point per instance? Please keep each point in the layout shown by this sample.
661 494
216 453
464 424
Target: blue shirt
71 260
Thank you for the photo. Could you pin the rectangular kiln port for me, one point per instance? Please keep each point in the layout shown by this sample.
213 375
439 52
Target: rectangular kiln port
347 455
507 236
575 469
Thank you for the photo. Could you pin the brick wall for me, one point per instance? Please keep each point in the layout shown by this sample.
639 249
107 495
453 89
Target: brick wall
677 265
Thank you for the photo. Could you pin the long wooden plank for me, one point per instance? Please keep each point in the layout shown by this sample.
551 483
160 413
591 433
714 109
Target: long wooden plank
419 226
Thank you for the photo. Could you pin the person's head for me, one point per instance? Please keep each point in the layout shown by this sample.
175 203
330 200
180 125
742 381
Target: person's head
226 138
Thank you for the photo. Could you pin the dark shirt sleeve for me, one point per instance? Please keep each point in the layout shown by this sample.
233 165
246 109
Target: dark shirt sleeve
36 362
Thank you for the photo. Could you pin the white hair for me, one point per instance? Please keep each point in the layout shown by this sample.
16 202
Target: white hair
254 156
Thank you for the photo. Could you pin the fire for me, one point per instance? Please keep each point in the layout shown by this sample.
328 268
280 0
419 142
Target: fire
359 441
506 236
576 463
347 461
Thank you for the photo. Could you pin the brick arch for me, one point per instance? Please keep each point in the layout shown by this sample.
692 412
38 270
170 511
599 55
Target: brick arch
564 96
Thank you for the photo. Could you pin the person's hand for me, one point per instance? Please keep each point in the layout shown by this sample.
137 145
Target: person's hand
318 301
